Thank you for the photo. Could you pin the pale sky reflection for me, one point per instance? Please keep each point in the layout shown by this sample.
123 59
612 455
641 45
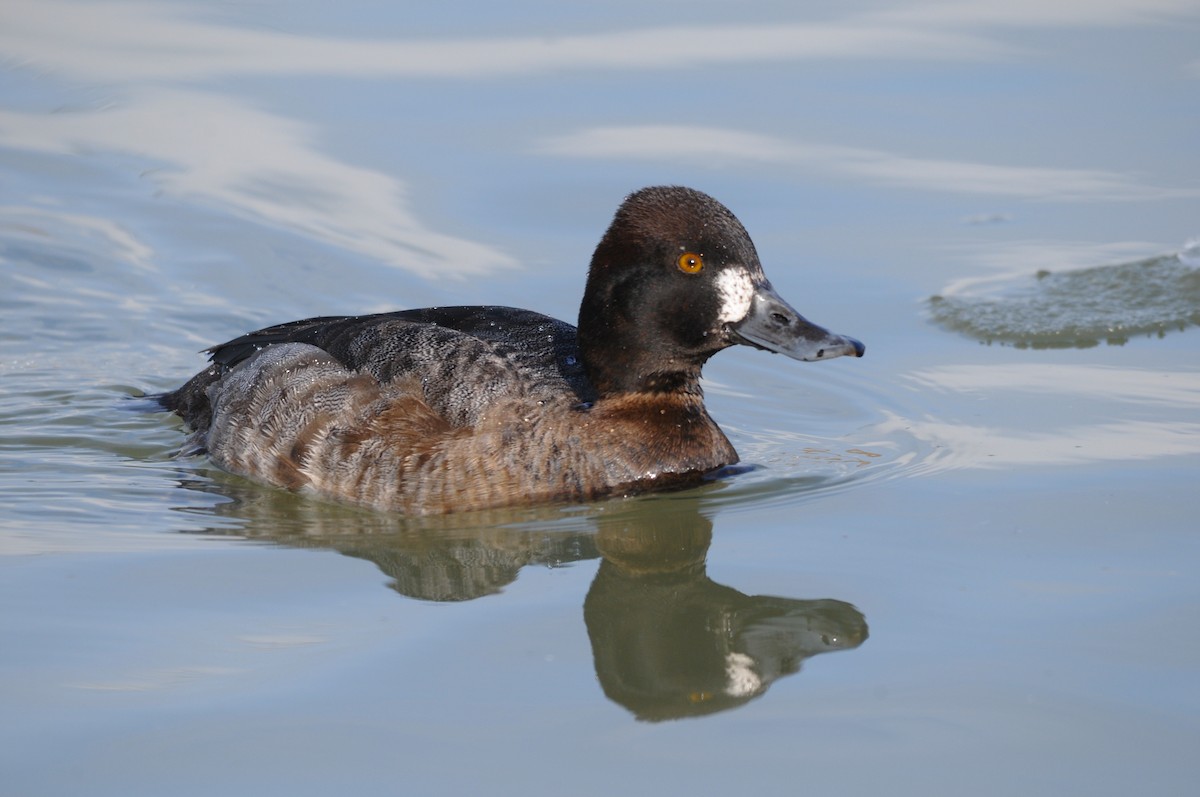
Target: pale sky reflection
116 41
968 446
717 146
218 151
89 232
153 57
133 41
953 445
1018 259
1040 13
1177 388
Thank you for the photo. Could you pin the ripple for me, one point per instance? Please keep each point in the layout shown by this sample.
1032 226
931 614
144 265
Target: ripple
964 417
1043 414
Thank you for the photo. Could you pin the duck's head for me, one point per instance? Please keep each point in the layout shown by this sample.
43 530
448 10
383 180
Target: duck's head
674 280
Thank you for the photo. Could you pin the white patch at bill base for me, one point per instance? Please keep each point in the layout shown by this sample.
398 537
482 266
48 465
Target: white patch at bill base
740 678
735 288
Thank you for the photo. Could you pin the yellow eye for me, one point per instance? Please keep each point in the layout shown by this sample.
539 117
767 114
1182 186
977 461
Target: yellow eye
690 263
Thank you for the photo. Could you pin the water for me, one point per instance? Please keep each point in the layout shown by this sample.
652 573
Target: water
949 567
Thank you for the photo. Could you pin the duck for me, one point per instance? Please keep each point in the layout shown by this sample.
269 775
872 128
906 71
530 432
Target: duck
452 409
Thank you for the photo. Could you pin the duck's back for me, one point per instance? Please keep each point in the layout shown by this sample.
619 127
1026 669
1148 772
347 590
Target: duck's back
465 358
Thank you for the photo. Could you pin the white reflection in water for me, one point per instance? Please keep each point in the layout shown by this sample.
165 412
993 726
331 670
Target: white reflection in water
1039 13
125 41
156 680
279 641
1009 259
86 232
211 148
709 145
220 150
963 445
1115 384
131 40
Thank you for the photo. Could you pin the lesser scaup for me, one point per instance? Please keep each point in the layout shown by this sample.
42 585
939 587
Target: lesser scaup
457 408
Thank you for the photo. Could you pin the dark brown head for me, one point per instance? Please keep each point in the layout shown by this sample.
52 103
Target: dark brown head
674 280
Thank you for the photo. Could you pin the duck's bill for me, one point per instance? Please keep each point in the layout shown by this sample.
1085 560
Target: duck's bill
774 325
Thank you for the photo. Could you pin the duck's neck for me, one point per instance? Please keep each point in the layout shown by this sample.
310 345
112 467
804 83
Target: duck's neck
631 359
623 375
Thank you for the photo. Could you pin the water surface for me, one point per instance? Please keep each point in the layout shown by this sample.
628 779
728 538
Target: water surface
949 567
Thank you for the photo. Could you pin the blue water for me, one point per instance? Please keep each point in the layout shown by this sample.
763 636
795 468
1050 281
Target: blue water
963 564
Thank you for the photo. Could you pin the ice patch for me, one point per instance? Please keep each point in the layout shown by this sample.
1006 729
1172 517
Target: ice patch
1079 308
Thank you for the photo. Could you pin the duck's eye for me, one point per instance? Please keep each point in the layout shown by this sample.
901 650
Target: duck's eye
690 263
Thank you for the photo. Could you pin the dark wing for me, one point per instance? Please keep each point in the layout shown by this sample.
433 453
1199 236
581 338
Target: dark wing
310 330
465 356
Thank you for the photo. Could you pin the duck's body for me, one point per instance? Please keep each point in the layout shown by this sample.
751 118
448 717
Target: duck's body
459 408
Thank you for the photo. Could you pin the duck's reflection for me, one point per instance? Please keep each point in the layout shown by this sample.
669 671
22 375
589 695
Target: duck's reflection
670 642
667 640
